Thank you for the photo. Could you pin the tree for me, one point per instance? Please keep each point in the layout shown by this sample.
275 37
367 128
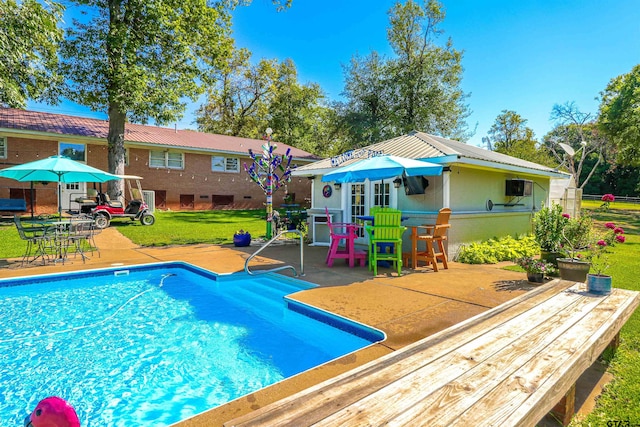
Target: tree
249 98
238 103
295 108
508 128
139 60
581 140
367 89
619 116
29 39
511 136
427 94
417 89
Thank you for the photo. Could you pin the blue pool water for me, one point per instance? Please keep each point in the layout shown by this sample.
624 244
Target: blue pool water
156 344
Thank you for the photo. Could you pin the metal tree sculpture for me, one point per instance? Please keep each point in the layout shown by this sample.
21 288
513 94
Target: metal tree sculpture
264 172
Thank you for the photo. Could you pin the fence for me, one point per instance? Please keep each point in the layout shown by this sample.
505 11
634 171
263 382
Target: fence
618 198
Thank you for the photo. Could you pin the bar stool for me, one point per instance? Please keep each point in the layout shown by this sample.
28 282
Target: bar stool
344 233
434 235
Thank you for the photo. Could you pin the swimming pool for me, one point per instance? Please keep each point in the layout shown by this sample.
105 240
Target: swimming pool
156 344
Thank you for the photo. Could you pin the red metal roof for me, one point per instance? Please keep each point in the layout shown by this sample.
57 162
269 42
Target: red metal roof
59 124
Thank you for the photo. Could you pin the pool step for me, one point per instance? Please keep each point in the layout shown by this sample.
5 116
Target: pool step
266 289
259 298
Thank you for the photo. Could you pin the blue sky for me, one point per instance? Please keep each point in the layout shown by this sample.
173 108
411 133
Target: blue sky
522 55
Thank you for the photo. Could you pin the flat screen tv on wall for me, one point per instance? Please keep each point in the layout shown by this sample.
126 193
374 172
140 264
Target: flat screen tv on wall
414 184
518 187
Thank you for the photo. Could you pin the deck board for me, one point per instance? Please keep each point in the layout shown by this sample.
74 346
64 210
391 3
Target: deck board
506 366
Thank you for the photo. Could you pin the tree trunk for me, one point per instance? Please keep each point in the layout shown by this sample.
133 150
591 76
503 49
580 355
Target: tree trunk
116 152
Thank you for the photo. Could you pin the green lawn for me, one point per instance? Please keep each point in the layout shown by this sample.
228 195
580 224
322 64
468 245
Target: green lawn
186 228
171 228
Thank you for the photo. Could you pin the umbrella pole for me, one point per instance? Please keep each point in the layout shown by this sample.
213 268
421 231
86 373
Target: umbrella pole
31 200
59 199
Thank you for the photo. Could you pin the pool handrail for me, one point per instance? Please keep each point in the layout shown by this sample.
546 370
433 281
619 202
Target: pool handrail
284 267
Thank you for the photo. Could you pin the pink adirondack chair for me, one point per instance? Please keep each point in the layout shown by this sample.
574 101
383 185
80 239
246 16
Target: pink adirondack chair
343 233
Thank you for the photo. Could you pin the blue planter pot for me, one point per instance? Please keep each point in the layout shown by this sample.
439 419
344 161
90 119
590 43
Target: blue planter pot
241 239
599 284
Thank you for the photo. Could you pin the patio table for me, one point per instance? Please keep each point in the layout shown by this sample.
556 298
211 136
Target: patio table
55 237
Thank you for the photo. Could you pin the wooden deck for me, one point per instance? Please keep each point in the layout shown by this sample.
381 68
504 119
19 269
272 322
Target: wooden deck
508 366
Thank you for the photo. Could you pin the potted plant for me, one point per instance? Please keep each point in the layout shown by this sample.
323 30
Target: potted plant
577 238
548 224
536 269
598 282
241 238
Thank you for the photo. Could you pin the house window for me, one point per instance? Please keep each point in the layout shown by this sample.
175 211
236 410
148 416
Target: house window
175 160
225 164
166 159
76 152
3 148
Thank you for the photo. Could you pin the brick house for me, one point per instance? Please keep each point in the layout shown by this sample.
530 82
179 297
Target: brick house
187 170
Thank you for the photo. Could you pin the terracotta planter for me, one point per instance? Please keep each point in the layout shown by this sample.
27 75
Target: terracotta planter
599 284
573 270
535 277
242 239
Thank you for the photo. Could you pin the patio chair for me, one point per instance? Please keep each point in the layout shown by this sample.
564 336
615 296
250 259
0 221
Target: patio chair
343 234
386 233
434 234
376 209
39 242
81 231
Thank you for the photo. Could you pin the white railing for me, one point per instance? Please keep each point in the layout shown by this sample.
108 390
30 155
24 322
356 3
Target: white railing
618 198
285 267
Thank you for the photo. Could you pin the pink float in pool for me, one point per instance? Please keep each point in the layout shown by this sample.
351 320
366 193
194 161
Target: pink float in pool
53 411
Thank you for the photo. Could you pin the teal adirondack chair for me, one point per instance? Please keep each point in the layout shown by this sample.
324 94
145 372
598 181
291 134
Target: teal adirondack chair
388 231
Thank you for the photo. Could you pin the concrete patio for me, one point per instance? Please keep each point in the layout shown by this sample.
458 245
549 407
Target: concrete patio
406 308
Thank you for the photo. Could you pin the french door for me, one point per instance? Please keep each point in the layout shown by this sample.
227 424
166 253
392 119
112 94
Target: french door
363 196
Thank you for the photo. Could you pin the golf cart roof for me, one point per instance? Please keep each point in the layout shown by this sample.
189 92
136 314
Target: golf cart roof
129 177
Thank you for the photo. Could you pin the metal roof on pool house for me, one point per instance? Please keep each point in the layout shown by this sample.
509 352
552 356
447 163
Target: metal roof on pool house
435 149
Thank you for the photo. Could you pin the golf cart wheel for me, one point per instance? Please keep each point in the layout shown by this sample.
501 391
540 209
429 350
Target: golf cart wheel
147 219
102 221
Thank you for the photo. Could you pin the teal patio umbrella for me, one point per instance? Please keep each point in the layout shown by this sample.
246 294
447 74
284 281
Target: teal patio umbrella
381 168
56 169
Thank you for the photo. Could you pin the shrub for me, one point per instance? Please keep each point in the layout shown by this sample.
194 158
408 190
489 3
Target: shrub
548 224
577 235
495 250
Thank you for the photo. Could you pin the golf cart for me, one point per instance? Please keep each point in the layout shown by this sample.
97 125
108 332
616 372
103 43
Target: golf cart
136 208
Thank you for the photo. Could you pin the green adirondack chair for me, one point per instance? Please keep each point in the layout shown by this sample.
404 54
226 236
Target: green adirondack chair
386 233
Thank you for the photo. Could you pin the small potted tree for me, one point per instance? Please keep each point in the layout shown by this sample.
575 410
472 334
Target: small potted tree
548 224
577 237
